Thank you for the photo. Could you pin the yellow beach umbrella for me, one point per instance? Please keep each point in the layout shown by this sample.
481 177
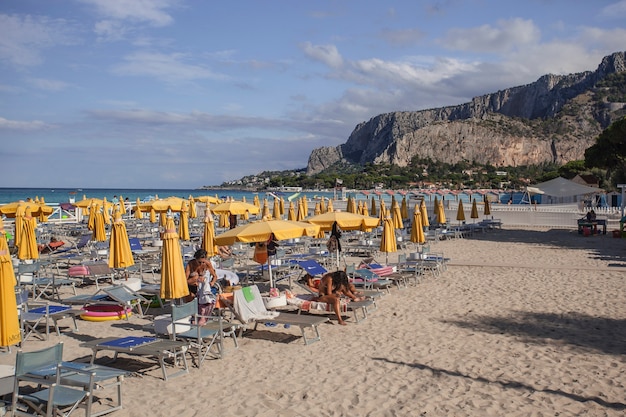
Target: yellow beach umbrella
9 322
323 206
373 211
183 224
162 218
474 213
256 201
208 199
266 209
301 213
317 210
152 215
441 213
396 216
329 207
291 215
193 212
460 214
122 206
120 255
417 230
224 221
345 221
436 207
173 280
138 213
99 231
424 212
276 210
305 203
208 237
28 239
404 209
365 210
388 242
282 206
235 207
487 208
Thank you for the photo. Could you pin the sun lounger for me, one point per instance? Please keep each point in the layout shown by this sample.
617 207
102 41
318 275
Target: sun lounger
248 307
150 347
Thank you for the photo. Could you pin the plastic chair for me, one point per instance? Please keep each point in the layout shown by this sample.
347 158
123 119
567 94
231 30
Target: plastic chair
184 327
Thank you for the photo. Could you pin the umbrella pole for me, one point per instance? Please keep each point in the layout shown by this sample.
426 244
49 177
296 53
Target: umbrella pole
269 271
337 258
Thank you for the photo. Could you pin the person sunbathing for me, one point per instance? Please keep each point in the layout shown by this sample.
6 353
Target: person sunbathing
331 288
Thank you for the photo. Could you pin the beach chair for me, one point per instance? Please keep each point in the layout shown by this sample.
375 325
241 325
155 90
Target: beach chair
248 307
35 316
368 279
51 396
385 271
412 270
184 327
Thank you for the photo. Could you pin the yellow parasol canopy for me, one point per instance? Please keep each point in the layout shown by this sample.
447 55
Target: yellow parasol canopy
487 208
441 214
291 215
164 205
193 213
9 322
425 221
173 280
260 231
183 225
138 213
276 211
120 255
404 208
208 199
122 206
388 240
345 220
417 230
208 237
28 239
396 216
37 209
99 232
235 207
474 213
460 214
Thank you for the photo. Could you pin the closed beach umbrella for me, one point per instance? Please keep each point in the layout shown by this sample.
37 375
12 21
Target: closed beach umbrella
99 231
91 223
323 206
487 209
162 218
183 224
404 209
120 255
301 212
224 221
460 214
388 240
266 209
256 201
373 207
152 215
173 280
329 207
193 212
276 210
138 213
396 215
417 230
365 211
208 237
105 211
441 214
122 207
305 203
28 239
318 209
425 221
436 208
282 206
292 212
9 322
474 213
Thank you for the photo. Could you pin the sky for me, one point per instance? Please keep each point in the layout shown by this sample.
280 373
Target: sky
185 93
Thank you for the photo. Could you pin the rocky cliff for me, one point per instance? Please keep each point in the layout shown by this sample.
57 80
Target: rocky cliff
553 119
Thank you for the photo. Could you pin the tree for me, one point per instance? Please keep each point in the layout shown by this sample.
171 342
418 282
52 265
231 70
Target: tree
609 151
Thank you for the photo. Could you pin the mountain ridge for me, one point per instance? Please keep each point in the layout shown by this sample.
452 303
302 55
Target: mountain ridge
553 119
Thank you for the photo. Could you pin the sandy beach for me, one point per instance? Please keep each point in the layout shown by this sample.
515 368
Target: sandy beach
522 323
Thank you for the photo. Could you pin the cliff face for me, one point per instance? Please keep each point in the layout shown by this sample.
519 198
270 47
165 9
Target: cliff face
553 119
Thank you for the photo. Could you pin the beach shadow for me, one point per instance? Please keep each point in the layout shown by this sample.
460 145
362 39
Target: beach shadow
601 247
509 384
605 335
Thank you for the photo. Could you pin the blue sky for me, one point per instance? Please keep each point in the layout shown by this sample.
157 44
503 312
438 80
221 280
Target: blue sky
185 93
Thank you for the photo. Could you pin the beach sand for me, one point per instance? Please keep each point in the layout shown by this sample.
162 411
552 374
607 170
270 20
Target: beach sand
522 323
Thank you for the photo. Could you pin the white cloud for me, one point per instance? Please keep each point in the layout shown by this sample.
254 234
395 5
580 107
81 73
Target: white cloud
616 10
48 85
23 38
403 36
110 30
505 36
17 125
165 67
152 12
327 54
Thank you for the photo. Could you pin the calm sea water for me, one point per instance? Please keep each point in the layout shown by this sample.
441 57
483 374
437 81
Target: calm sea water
64 195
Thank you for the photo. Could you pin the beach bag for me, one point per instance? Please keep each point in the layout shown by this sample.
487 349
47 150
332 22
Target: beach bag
332 244
260 253
204 294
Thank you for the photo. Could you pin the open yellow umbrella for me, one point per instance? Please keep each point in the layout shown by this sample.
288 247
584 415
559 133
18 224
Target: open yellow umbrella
208 237
9 322
235 207
460 214
345 221
208 199
487 208
138 213
120 255
417 230
388 240
261 231
193 212
474 213
173 280
396 216
425 221
276 210
183 224
291 215
28 239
